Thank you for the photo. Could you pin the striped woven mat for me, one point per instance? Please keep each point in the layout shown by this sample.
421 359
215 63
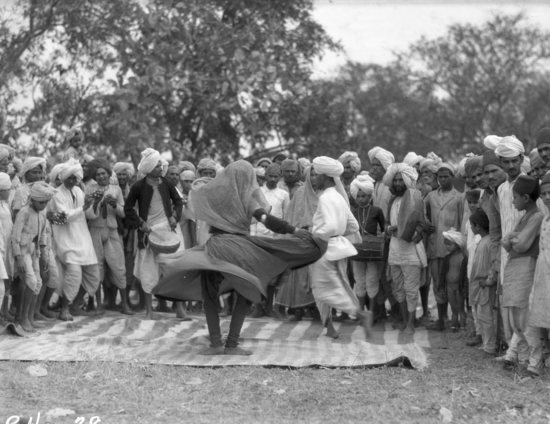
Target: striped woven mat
167 340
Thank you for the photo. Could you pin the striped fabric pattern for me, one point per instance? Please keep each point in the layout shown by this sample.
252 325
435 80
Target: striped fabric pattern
117 338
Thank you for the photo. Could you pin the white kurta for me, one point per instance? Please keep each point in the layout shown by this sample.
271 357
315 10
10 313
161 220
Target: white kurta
6 224
278 199
332 221
72 241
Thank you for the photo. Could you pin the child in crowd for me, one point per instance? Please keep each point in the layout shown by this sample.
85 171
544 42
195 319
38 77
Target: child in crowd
482 289
522 245
539 311
29 243
453 273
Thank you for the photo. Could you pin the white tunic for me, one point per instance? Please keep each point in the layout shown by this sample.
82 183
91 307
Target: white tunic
331 221
278 199
72 241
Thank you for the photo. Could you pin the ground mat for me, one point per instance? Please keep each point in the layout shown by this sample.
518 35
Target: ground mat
167 340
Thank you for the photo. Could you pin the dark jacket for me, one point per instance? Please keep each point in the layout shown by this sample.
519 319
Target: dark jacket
142 193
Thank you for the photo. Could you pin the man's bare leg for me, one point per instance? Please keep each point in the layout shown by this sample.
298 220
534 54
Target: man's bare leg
331 331
38 314
148 306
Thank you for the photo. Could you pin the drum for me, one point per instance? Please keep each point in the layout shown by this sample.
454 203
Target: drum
373 248
163 241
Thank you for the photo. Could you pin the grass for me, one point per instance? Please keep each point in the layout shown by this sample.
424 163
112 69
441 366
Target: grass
472 386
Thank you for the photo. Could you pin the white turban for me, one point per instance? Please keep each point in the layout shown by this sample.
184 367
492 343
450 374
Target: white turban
207 163
430 162
188 175
5 181
352 158
446 165
328 166
260 171
492 141
408 173
149 160
71 167
54 173
365 183
32 162
412 159
185 165
509 147
384 156
305 163
42 191
124 167
258 162
4 152
455 236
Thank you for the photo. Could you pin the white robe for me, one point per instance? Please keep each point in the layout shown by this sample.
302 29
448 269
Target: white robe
72 241
332 221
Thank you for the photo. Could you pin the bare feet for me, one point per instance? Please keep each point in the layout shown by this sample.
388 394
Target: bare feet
236 351
149 315
332 333
365 318
38 316
409 329
65 315
126 310
27 326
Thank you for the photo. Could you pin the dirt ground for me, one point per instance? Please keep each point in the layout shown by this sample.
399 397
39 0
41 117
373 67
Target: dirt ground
461 384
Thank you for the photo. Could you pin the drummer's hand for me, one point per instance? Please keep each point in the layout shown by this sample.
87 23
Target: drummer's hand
145 228
173 223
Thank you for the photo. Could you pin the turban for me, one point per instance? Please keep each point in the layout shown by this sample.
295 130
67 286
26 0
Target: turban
535 158
526 185
492 141
327 166
509 147
273 167
545 179
289 164
96 164
260 161
490 158
124 167
4 153
365 183
187 175
54 173
408 173
17 164
150 158
71 167
454 236
42 191
472 163
352 159
480 218
86 158
412 159
32 162
473 195
5 181
260 171
305 163
543 136
430 163
207 163
447 166
526 165
281 155
187 166
385 157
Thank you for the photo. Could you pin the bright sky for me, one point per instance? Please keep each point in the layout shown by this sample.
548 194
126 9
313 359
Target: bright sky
369 30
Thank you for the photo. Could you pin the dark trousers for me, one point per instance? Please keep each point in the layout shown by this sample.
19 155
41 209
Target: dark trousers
209 286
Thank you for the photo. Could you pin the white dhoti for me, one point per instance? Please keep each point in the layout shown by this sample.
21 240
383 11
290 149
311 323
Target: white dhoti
331 288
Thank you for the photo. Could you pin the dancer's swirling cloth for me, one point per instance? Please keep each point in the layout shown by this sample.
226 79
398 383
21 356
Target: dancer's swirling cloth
231 260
